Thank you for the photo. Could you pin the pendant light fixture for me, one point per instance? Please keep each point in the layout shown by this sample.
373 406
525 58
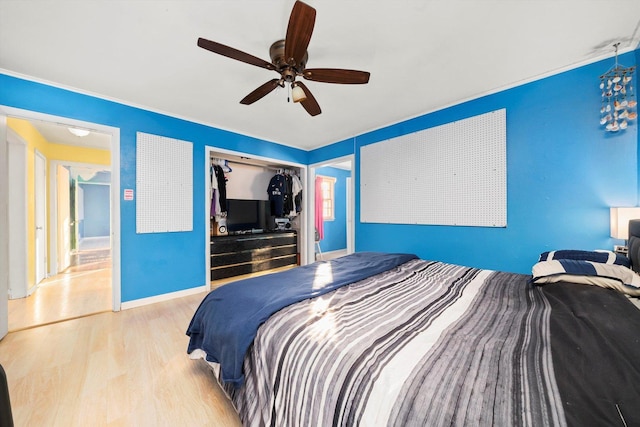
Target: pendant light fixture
618 97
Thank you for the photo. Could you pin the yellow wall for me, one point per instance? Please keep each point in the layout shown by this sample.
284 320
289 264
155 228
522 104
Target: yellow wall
72 153
51 152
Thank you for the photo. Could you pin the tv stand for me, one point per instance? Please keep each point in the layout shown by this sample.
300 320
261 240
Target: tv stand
239 254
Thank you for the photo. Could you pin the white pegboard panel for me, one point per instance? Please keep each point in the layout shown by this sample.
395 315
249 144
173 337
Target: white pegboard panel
164 182
453 174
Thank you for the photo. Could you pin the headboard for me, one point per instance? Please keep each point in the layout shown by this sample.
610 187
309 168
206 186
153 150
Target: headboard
634 244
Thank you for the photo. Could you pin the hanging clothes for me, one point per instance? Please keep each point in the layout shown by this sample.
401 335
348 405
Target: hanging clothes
276 191
220 191
288 196
214 196
297 193
319 218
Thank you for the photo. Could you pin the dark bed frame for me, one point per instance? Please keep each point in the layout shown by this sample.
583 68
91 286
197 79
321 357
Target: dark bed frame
634 244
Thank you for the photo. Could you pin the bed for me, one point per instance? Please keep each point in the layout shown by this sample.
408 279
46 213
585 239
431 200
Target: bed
389 339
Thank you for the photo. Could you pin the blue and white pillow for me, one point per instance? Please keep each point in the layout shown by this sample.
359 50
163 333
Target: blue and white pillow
571 266
604 257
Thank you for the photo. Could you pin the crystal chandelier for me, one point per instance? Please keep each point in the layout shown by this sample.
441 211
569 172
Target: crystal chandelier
618 97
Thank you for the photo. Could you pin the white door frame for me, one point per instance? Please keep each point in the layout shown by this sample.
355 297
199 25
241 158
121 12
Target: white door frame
4 228
350 214
310 198
40 231
62 225
115 199
17 193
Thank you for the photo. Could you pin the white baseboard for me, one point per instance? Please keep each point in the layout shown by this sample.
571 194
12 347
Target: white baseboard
32 289
17 295
332 254
164 297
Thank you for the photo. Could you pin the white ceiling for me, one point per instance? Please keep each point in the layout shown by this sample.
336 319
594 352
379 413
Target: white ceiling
58 133
422 54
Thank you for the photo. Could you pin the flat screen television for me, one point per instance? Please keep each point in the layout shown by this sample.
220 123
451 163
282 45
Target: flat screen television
246 215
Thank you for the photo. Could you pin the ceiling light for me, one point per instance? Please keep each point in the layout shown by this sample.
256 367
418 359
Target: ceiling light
79 132
618 98
297 93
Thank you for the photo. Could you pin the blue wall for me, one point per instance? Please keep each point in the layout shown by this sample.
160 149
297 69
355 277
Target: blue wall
159 263
563 173
97 218
335 232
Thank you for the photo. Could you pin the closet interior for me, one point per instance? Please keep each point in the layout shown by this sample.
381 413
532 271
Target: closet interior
256 215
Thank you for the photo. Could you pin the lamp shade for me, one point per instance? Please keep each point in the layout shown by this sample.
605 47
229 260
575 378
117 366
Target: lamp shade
620 221
298 94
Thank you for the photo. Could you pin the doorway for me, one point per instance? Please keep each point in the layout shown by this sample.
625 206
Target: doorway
81 253
83 216
346 164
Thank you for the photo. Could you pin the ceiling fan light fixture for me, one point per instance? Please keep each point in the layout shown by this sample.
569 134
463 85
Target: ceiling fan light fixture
297 93
79 132
289 58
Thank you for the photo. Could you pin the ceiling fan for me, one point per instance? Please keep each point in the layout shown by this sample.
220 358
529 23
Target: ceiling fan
289 59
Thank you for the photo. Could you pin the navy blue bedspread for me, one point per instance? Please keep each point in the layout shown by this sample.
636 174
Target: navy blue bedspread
227 320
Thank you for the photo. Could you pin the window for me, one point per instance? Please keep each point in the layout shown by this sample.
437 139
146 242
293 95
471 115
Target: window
328 200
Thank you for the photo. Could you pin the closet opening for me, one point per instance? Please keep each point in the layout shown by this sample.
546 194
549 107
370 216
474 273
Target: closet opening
255 213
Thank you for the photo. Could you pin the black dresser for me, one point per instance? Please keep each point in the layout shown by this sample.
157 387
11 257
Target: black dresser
239 254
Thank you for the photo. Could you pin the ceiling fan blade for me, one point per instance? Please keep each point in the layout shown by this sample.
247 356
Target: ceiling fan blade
260 92
336 75
232 53
310 104
299 30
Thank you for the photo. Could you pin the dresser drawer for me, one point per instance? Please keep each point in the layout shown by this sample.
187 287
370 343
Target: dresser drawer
236 255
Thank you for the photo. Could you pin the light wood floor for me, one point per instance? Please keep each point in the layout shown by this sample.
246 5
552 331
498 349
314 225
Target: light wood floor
79 291
113 369
109 369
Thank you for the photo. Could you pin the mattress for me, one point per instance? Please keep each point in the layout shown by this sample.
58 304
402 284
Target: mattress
431 343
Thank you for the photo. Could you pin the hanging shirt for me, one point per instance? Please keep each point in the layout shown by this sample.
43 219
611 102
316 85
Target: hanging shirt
276 192
222 188
297 193
215 196
288 196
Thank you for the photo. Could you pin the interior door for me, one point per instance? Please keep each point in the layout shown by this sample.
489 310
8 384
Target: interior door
64 218
4 228
40 217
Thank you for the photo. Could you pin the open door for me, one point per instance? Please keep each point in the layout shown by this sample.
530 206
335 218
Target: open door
40 217
64 218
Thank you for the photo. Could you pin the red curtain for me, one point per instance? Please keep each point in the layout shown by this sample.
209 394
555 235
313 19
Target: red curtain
319 222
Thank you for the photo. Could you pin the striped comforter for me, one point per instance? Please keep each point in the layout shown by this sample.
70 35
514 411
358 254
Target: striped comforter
429 343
